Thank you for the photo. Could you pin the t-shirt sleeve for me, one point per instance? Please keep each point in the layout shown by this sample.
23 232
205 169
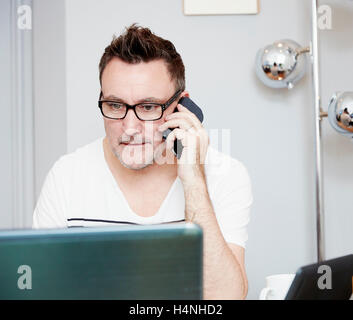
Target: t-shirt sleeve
50 208
232 199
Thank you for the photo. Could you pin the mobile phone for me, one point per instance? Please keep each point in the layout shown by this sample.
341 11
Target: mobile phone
192 106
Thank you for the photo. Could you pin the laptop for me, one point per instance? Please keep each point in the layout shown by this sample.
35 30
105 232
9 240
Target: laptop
327 280
122 262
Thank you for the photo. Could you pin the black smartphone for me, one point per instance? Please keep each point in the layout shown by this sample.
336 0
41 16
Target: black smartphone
192 106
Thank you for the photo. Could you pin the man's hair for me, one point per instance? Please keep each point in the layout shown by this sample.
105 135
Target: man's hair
138 44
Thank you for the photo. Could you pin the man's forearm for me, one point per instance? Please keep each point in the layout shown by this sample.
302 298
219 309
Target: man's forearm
223 277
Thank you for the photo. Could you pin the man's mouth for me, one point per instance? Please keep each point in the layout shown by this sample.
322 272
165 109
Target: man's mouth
133 143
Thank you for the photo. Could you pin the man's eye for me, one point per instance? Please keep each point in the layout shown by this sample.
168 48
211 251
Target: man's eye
115 105
148 107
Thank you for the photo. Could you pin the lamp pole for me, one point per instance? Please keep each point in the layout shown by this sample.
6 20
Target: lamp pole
318 154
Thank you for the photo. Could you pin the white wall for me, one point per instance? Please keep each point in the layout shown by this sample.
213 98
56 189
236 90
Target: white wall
6 167
272 131
49 82
337 66
16 123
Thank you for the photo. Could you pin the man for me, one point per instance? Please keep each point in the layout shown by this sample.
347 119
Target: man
132 176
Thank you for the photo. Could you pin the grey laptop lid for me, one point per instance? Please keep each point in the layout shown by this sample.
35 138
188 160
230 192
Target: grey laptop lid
122 262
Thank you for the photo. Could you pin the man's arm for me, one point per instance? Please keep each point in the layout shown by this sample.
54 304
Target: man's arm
224 271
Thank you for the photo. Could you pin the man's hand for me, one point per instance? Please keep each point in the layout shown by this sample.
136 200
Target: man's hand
195 141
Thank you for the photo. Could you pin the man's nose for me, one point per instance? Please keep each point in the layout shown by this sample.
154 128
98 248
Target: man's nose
131 123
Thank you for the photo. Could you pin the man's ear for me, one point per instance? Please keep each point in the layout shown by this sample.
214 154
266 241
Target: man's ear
185 94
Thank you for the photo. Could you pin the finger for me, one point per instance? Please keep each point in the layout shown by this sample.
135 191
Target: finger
185 112
182 115
175 134
184 124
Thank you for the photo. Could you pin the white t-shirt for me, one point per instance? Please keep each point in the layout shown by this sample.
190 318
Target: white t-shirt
80 190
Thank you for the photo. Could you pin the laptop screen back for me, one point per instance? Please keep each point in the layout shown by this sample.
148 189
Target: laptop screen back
121 262
327 280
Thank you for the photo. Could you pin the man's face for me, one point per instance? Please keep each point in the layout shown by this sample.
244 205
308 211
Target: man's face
134 141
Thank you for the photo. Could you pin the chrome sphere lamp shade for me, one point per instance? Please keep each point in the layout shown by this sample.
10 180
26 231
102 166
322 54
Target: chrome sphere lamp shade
281 64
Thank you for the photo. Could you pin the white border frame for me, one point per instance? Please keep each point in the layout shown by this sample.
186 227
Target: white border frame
220 7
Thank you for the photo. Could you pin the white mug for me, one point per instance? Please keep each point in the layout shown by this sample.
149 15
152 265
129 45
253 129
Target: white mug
277 286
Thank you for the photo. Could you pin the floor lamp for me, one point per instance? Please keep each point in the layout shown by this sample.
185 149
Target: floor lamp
281 65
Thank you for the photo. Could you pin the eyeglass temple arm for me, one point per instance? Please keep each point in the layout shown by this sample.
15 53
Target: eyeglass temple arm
172 99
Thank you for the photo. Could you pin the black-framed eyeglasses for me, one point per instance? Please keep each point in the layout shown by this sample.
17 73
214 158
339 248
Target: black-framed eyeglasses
146 111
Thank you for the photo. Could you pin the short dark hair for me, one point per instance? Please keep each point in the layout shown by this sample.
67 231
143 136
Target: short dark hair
138 44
